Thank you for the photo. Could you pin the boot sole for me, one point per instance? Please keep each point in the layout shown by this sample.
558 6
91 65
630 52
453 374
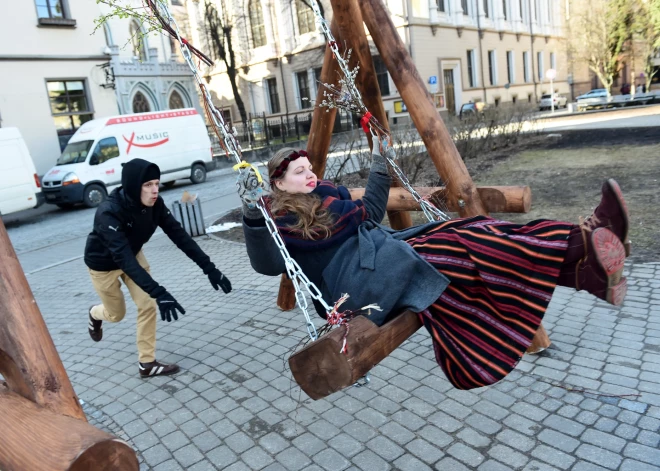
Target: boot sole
611 256
614 186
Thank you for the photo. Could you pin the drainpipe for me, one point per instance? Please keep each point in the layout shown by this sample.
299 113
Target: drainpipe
531 34
278 53
481 56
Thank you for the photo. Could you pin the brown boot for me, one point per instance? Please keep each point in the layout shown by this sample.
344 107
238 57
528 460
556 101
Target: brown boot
600 271
612 213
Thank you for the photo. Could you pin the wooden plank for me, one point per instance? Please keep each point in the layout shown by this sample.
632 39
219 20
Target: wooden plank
321 370
36 439
29 361
497 199
411 87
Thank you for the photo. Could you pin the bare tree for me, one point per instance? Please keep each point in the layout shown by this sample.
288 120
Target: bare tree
598 35
219 27
646 29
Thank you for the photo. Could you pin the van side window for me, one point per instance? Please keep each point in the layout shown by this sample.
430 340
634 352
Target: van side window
105 150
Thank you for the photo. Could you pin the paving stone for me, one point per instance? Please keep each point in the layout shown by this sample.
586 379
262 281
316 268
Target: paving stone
558 440
385 448
256 458
563 425
603 440
642 453
465 454
293 459
369 461
330 460
597 455
633 465
450 463
508 456
424 450
410 463
188 455
346 445
553 456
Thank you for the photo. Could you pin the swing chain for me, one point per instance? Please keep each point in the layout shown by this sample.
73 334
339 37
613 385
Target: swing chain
233 148
431 212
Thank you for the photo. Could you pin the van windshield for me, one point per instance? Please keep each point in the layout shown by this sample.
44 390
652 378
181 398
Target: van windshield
75 152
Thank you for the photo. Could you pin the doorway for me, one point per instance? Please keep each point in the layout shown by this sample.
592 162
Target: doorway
450 97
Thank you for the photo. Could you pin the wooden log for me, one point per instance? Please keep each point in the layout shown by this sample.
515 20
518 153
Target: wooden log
323 119
423 113
497 199
540 342
351 28
34 438
29 361
321 371
286 298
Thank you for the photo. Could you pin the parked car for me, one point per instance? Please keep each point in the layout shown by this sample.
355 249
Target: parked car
90 165
595 93
472 109
20 187
547 101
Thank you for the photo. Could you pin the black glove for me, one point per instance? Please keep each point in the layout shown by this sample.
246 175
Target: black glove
218 280
168 307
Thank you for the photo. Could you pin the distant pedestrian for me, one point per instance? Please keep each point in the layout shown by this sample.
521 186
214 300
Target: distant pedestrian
122 225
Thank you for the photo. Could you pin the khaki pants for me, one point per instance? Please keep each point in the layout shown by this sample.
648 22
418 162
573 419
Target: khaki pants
113 309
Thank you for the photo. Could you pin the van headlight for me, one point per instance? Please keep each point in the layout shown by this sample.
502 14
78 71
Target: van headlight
70 179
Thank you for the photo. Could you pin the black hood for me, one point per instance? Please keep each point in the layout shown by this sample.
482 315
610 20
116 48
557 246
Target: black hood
134 174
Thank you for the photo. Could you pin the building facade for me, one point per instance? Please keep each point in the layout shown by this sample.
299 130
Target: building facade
495 51
56 73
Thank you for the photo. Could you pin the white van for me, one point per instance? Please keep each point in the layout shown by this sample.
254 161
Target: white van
19 184
90 166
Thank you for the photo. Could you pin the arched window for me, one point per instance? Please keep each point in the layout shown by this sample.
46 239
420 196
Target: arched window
176 101
257 23
108 34
137 41
140 103
306 21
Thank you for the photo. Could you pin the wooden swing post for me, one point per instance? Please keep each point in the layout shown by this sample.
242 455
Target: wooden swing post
43 426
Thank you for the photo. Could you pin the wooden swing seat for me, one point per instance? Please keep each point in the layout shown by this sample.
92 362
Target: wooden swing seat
320 369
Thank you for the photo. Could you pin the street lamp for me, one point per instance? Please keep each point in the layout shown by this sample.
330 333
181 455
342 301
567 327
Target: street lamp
550 74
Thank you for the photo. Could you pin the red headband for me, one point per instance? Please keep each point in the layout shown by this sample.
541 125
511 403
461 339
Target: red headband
281 168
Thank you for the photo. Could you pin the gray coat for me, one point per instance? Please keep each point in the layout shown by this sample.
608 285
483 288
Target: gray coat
375 266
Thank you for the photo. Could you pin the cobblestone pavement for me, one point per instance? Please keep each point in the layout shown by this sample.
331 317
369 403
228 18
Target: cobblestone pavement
234 406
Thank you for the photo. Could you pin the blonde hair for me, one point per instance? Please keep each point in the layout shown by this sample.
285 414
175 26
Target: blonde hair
314 221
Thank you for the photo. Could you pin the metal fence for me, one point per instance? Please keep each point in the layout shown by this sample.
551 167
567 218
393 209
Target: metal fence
262 131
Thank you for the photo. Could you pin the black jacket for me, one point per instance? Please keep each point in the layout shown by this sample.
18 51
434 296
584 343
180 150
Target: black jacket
122 227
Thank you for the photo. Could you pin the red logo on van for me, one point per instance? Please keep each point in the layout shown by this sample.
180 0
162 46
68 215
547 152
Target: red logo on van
142 140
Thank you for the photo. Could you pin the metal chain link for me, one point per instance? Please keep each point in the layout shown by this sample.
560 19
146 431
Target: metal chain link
233 147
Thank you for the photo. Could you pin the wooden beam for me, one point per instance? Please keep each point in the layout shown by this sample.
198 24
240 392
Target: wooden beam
351 28
323 119
36 439
367 345
29 361
497 199
439 144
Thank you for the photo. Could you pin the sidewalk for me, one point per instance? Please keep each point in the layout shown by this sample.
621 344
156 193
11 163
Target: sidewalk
234 406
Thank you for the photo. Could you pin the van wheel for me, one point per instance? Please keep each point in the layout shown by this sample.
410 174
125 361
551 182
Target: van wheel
169 184
198 174
94 195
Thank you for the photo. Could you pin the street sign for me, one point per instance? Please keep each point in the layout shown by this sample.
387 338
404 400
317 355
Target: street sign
433 80
551 74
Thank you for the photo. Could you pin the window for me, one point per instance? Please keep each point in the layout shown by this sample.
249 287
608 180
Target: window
486 8
510 68
472 76
382 76
526 66
50 9
141 103
553 61
492 67
539 65
176 101
108 34
504 14
317 74
257 23
306 21
105 150
303 90
226 116
273 95
137 41
69 106
464 6
440 4
520 11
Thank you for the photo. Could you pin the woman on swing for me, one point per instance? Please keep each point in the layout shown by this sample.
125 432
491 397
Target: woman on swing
481 286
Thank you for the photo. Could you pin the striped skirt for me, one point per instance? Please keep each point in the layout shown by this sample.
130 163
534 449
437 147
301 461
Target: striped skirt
502 278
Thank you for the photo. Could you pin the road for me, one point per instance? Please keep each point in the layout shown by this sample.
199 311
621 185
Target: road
48 236
648 116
